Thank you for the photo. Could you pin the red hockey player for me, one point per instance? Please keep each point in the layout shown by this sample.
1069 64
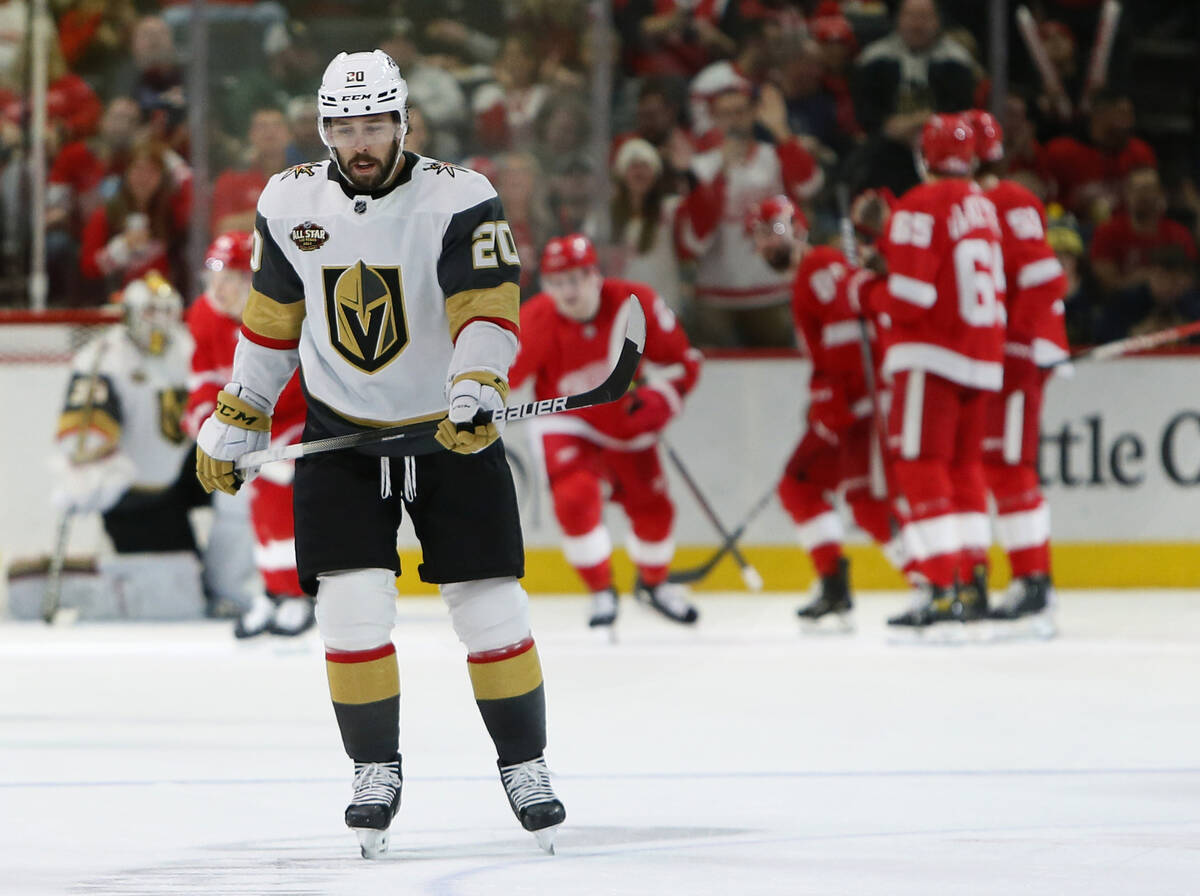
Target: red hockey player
569 333
1036 340
943 314
835 453
214 320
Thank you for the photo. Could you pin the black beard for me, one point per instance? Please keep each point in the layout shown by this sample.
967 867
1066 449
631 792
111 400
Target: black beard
779 259
375 180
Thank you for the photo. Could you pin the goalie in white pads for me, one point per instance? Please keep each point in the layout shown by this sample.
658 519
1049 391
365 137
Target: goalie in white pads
122 450
391 279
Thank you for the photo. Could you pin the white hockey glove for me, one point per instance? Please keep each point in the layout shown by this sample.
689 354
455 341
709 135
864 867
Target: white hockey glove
469 393
238 425
92 487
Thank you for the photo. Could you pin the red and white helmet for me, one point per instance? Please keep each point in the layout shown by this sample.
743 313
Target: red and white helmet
230 252
989 136
776 210
948 146
566 252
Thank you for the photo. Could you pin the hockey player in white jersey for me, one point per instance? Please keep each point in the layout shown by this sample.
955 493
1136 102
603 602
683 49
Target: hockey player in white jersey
122 450
391 279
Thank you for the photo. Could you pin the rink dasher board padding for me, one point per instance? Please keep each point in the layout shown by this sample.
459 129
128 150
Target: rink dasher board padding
153 587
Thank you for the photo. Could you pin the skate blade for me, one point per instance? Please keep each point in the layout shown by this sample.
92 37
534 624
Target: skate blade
1036 627
545 838
939 634
373 843
604 631
829 624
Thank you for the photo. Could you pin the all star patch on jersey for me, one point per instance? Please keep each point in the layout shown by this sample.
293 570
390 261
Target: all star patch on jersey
309 237
375 313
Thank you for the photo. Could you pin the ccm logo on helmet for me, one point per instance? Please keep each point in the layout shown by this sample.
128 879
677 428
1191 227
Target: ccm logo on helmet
356 96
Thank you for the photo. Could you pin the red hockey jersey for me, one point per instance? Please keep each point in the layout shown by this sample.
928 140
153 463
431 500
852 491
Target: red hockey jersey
215 335
1036 281
944 308
827 324
563 356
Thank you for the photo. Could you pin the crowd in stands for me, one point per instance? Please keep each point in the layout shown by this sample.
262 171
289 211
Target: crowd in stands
715 105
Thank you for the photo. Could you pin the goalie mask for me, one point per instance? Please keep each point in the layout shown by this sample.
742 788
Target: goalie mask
361 102
153 308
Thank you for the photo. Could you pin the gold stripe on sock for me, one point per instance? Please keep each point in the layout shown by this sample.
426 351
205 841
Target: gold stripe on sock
367 682
510 677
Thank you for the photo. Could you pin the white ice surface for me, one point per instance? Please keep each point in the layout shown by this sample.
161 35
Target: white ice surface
737 758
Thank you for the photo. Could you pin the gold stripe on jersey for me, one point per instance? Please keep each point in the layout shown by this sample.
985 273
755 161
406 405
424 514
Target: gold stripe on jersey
89 418
503 301
272 319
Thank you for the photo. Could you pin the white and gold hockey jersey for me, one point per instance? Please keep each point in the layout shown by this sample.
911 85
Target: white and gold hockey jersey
373 288
123 400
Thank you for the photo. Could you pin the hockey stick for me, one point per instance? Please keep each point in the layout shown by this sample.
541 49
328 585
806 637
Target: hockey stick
614 386
1106 32
1041 60
1133 344
878 471
750 575
52 596
696 573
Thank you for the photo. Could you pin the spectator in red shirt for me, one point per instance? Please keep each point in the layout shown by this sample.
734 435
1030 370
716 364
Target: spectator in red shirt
72 108
84 175
236 191
506 109
1087 176
144 227
675 37
1123 245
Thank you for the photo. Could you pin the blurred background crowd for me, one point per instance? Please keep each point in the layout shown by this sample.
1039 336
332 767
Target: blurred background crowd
650 125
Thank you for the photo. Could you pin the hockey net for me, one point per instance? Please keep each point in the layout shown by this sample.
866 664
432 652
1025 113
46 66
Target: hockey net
50 337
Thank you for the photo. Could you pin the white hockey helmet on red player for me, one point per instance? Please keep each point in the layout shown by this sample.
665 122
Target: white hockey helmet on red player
362 84
153 308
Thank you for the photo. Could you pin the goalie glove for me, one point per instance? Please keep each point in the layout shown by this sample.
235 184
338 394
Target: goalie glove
470 393
92 487
238 425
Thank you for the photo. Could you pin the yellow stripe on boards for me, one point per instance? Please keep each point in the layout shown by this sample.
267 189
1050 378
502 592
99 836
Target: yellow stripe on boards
502 679
784 568
369 682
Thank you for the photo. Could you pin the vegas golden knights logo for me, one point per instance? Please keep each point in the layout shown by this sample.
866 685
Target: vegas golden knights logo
171 405
364 307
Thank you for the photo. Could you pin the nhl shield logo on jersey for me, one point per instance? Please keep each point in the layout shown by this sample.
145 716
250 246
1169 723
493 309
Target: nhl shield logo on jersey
364 306
309 236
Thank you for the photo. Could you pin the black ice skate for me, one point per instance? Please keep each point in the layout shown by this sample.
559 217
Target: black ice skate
532 799
1028 605
293 616
971 598
604 608
932 607
374 804
832 603
668 598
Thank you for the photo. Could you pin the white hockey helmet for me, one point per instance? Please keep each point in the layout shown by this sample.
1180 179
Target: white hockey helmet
153 309
362 84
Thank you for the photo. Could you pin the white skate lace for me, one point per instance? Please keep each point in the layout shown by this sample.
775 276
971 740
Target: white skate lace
527 783
375 782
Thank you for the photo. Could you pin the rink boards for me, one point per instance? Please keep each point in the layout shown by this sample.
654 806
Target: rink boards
1120 458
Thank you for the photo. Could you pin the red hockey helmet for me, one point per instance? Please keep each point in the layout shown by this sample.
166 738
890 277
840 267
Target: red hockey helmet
774 209
566 252
230 251
989 136
948 145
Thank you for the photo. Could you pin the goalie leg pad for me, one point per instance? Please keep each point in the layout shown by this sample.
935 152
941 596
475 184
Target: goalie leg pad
356 609
488 614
